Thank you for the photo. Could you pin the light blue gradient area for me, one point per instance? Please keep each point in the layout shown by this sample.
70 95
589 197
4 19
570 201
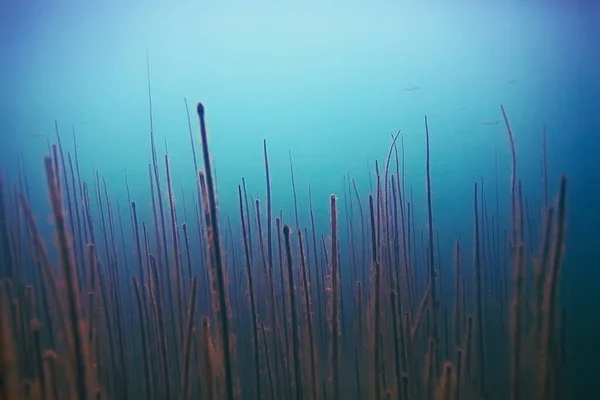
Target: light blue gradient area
326 80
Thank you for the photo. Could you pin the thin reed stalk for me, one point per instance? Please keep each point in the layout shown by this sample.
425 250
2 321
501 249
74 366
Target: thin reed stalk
220 268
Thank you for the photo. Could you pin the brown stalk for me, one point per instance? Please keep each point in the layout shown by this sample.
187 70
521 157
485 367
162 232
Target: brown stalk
549 348
516 328
295 340
176 257
269 372
376 384
335 294
208 367
479 305
309 318
70 274
515 215
162 334
143 325
252 300
220 268
188 341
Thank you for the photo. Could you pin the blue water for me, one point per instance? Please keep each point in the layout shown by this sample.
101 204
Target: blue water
330 82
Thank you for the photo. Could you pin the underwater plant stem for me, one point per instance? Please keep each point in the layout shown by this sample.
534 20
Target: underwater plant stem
513 182
252 300
479 305
295 340
549 348
70 274
143 324
335 294
309 319
188 341
517 309
270 277
178 271
220 268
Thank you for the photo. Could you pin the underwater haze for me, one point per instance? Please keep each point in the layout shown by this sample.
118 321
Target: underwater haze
405 199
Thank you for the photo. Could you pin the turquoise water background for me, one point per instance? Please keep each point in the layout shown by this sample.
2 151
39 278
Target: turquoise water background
329 81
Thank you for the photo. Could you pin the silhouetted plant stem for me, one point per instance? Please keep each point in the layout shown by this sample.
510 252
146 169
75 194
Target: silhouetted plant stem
320 273
541 270
376 383
207 370
479 305
143 325
177 266
517 306
220 269
549 350
335 294
188 341
515 216
307 302
80 351
398 369
162 332
252 300
269 373
295 341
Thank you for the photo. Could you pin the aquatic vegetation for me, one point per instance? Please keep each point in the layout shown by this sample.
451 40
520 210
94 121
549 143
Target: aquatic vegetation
370 313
